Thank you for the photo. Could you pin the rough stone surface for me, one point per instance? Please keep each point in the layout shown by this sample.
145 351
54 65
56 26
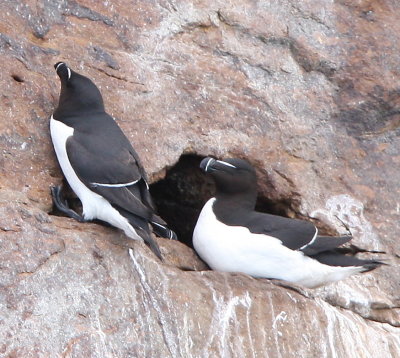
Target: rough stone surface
308 91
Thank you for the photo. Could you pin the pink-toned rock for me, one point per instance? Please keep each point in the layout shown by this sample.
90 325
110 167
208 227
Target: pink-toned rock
307 91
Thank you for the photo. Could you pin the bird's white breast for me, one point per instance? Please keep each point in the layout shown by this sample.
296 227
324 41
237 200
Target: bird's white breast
60 133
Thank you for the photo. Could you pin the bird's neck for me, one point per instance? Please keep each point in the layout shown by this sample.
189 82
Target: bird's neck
74 117
233 209
243 201
78 104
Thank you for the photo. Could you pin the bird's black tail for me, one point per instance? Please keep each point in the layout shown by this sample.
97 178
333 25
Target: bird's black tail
159 226
333 258
372 265
153 245
142 228
144 232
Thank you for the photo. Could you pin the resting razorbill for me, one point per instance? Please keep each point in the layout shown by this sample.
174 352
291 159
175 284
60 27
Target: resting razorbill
231 236
99 163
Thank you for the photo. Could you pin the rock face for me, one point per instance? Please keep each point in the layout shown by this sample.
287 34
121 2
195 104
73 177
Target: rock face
309 92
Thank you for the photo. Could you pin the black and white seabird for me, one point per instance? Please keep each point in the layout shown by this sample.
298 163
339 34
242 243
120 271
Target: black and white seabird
231 236
99 163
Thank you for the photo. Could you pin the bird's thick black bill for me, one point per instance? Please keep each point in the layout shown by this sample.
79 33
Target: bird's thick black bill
206 162
209 164
63 71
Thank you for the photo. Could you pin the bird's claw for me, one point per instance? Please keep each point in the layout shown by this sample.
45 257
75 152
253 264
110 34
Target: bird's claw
62 205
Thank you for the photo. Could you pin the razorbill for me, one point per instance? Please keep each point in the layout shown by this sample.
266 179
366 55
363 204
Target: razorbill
231 236
99 163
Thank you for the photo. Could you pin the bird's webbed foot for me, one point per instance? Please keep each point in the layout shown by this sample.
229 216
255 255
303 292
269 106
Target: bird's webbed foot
61 204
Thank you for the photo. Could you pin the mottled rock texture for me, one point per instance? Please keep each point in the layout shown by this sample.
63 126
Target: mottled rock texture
308 91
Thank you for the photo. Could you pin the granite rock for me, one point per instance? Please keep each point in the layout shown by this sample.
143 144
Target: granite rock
308 92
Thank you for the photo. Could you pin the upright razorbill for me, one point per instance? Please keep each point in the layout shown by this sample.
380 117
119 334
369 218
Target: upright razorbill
100 163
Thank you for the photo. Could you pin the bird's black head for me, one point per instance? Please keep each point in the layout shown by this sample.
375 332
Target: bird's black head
232 176
78 93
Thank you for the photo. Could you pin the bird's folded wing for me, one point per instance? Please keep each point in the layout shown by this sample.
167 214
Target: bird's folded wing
113 174
297 234
294 234
96 160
